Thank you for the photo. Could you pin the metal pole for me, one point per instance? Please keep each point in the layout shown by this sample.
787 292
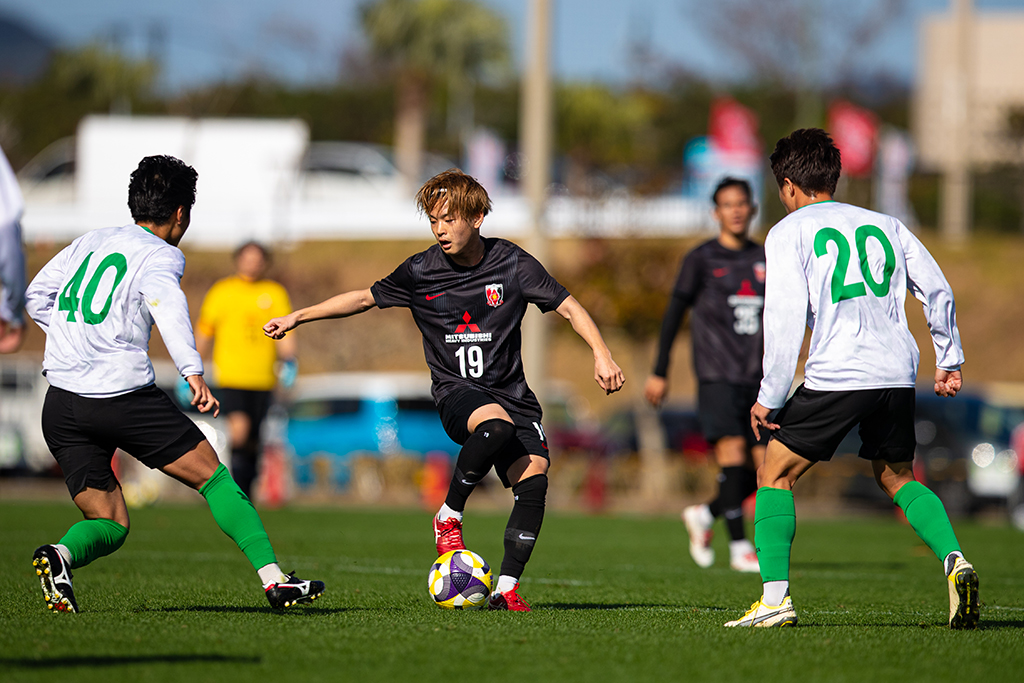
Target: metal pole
956 182
535 139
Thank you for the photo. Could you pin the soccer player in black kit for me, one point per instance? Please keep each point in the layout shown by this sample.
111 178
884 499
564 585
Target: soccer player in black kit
468 295
723 281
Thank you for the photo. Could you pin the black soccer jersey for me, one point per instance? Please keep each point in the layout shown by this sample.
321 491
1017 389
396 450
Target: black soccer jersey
470 317
726 290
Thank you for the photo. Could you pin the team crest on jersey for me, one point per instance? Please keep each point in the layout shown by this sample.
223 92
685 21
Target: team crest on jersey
495 294
759 271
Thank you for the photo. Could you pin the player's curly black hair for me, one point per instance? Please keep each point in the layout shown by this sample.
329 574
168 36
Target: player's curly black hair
158 187
810 159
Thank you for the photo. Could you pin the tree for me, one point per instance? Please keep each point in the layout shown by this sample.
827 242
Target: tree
426 42
801 45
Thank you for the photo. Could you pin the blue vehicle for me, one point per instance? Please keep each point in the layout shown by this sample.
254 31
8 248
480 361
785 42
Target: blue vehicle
333 418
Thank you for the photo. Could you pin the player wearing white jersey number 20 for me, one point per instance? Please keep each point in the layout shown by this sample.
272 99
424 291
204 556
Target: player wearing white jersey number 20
844 272
97 301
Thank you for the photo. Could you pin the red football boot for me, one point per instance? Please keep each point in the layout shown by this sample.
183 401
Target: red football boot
448 535
509 601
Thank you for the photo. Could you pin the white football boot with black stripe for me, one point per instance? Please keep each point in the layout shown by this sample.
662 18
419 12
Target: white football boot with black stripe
55 578
292 591
763 615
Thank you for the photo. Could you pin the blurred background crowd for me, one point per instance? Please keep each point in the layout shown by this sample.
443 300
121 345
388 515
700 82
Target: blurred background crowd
599 128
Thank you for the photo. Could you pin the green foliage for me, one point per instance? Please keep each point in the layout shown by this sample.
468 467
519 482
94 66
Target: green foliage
452 39
625 283
88 80
615 599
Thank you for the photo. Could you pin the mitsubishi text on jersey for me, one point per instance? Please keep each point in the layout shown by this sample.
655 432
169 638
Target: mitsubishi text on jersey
470 317
844 272
97 301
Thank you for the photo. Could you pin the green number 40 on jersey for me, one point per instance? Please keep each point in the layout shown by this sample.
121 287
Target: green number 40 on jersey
69 300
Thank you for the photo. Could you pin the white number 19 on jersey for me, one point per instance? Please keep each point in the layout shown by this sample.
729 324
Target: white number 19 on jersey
474 358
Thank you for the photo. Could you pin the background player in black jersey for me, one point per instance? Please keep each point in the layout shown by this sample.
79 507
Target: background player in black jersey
723 281
468 295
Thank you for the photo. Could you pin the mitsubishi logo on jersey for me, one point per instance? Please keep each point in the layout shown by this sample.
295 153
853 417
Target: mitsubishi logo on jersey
467 332
466 317
495 295
746 306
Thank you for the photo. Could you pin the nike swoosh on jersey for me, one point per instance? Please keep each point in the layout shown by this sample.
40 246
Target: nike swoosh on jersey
431 298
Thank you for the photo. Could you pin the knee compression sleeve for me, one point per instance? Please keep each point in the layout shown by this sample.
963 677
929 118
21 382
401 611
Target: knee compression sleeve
92 539
475 459
524 523
237 518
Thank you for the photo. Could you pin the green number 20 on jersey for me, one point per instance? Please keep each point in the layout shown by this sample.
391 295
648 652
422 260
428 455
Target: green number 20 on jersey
841 290
69 300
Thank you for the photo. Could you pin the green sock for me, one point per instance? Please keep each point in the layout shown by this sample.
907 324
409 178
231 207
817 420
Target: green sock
237 518
92 539
927 517
774 529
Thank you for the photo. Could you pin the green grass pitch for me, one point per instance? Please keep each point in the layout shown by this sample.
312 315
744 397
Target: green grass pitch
614 598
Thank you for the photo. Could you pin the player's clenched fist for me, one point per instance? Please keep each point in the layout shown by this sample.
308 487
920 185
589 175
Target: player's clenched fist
277 327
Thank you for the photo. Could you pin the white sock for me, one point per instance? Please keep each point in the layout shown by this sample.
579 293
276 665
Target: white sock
950 561
506 584
740 547
774 592
64 552
447 513
271 574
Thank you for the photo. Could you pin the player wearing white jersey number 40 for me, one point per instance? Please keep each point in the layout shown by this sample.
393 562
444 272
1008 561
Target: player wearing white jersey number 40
97 301
844 272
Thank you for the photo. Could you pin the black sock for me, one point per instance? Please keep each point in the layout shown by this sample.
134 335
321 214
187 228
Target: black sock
731 494
243 468
476 458
524 523
715 506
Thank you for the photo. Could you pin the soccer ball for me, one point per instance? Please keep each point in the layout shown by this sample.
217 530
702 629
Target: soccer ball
460 579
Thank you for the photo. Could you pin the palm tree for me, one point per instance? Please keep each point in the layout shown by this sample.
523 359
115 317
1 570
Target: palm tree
426 42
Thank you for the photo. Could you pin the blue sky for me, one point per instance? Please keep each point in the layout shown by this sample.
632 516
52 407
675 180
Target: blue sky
301 40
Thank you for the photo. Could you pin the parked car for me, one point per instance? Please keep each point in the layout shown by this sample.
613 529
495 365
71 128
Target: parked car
680 422
334 417
963 452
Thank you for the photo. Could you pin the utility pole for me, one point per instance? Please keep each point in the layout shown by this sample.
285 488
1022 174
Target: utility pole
956 182
535 140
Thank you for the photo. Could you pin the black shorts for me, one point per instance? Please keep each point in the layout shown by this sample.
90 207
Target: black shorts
83 433
725 411
813 423
253 403
455 409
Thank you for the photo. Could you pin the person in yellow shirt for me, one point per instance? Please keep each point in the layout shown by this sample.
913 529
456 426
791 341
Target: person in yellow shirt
244 359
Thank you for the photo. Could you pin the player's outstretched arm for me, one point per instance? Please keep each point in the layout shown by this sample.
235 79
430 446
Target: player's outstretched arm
340 306
948 382
606 373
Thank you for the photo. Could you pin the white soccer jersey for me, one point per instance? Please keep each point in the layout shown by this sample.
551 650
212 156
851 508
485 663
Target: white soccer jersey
97 301
844 272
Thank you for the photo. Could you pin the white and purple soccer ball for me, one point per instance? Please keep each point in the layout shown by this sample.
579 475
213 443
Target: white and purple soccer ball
460 579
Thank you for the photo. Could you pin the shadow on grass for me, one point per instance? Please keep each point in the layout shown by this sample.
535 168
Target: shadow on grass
601 606
858 564
236 609
112 660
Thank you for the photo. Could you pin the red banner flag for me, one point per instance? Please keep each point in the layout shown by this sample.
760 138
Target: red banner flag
854 130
